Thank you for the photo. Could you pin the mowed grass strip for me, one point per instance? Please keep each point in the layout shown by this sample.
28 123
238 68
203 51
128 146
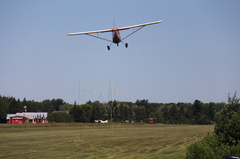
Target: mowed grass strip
99 141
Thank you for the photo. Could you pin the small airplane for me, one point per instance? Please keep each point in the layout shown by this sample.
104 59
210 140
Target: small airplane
116 38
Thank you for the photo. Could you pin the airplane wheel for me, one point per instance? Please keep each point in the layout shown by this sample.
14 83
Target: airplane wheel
126 45
108 47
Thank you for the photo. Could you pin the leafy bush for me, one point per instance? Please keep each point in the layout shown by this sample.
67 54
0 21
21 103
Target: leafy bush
228 124
211 147
226 140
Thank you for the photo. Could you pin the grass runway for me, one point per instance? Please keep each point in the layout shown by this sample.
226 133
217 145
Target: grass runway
93 141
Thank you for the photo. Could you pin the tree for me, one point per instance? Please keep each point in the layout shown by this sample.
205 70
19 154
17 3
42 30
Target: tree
225 141
140 113
32 106
59 117
211 110
158 116
165 112
173 114
85 111
14 106
143 102
184 112
234 99
130 112
65 107
57 103
197 107
149 107
81 113
228 122
121 113
96 111
3 109
200 113
203 117
188 112
75 112
112 106
99 111
47 106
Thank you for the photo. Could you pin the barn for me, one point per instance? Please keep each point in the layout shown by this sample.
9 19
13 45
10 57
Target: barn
27 117
17 119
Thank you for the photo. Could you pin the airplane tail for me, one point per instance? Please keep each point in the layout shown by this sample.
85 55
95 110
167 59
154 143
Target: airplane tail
114 25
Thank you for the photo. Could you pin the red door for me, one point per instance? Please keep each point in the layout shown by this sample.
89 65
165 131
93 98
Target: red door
17 119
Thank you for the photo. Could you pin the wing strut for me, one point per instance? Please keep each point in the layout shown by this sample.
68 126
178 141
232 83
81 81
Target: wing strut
133 32
98 37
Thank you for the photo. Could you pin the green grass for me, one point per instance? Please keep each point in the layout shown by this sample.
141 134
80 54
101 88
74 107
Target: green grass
98 140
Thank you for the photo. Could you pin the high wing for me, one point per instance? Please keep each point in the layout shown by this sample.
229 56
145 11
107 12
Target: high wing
110 30
91 32
140 25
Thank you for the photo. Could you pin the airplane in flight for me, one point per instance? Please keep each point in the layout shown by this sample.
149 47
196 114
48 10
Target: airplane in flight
116 38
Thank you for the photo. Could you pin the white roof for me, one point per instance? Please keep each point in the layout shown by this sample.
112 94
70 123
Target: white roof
10 115
29 115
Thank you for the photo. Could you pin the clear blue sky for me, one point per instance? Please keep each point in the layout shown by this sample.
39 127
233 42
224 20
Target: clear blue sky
193 54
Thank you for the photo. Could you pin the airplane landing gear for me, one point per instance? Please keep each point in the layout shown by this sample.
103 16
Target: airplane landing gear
108 47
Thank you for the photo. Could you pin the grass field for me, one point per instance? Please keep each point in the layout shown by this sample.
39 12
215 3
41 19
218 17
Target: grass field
98 141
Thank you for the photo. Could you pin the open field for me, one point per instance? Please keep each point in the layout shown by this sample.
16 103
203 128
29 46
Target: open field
98 141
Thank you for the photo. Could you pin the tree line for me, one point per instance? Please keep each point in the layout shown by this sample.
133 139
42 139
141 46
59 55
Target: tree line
139 111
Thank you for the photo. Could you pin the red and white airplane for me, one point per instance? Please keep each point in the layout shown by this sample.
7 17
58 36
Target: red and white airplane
116 38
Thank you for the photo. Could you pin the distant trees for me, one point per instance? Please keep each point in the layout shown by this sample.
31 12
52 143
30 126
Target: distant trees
99 111
14 105
169 113
140 113
60 117
87 112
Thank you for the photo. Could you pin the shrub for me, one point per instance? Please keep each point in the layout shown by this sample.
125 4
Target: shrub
226 140
228 124
211 147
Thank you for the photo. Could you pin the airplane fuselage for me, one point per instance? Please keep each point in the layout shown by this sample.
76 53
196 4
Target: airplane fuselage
116 38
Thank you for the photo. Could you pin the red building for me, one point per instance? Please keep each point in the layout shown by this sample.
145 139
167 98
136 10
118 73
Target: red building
17 120
27 117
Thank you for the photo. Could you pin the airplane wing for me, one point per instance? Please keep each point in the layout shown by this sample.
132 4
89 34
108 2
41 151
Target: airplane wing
140 25
110 30
91 32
